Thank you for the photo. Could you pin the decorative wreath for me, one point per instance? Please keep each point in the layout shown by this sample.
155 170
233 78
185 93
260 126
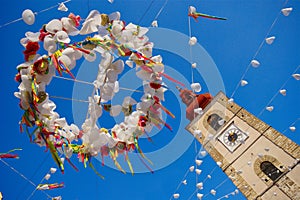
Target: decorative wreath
112 39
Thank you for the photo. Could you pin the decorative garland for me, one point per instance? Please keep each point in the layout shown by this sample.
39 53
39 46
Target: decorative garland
113 39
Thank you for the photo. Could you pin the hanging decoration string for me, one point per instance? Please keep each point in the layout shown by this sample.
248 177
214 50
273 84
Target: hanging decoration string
36 13
161 9
24 177
258 50
278 92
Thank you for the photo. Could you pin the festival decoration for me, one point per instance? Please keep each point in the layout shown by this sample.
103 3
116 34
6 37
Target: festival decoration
112 39
176 196
286 11
194 14
50 186
28 17
255 63
296 76
62 7
270 108
270 40
244 82
283 92
9 155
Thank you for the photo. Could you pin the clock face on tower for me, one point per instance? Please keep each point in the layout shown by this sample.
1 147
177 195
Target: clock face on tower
232 137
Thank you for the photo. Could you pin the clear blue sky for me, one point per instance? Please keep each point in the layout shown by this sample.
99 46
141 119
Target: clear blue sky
231 45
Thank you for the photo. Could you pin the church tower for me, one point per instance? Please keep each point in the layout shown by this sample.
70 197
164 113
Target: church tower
260 161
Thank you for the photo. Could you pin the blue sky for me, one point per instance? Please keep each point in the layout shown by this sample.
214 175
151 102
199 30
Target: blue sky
231 45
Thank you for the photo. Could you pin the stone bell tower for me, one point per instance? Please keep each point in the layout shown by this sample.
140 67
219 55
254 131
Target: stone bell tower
260 161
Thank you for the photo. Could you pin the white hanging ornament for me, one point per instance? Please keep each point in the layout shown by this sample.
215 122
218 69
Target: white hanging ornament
198 111
244 82
219 163
286 11
184 182
28 17
176 196
192 41
198 162
198 171
213 192
292 128
270 40
296 76
194 65
199 196
199 185
154 23
197 132
203 153
255 63
230 100
53 170
209 176
196 87
62 7
270 108
283 92
192 168
47 177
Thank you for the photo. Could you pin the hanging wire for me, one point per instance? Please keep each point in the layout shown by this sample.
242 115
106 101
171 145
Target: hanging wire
32 193
36 13
146 11
292 124
226 195
24 177
35 172
69 99
278 91
191 51
184 177
178 186
161 9
89 83
258 50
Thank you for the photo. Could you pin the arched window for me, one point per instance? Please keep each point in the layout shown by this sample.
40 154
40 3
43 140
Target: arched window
270 170
215 121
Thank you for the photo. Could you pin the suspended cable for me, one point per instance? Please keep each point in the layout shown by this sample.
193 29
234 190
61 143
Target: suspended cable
89 83
74 80
35 172
190 49
227 195
69 99
35 189
292 124
258 50
147 9
161 9
278 91
24 177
